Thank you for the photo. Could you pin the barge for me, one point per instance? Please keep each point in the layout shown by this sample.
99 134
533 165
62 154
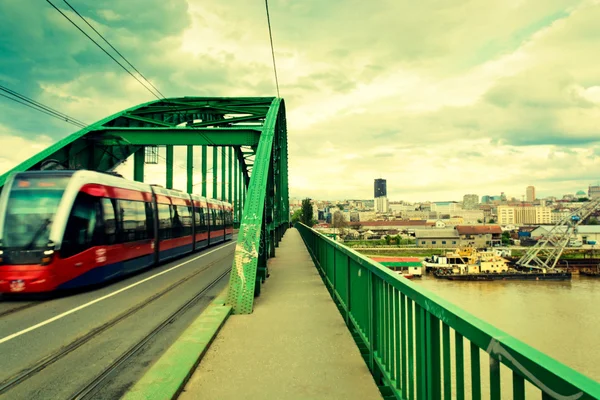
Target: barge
489 266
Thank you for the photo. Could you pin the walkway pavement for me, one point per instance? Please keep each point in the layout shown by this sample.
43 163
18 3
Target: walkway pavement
295 345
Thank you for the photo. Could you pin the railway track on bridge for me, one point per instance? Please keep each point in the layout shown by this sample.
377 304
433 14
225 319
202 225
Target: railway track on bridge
95 384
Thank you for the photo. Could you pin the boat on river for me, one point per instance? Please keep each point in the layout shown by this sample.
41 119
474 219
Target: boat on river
489 266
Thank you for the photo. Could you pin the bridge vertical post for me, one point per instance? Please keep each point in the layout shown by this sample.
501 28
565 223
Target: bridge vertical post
138 164
239 195
269 213
230 174
236 204
215 173
204 168
223 175
169 166
190 168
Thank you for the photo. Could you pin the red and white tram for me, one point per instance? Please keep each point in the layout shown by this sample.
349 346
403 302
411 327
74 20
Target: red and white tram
66 229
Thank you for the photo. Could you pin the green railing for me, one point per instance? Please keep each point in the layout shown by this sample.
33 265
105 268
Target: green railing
415 343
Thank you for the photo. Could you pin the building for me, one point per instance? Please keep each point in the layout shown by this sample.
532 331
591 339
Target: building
438 238
558 215
479 236
593 192
382 204
470 201
509 215
485 199
354 216
585 233
380 189
530 194
445 207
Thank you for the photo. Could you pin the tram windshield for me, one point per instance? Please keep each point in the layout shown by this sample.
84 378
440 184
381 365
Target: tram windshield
32 204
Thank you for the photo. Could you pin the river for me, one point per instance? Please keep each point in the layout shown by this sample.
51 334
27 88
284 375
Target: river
561 319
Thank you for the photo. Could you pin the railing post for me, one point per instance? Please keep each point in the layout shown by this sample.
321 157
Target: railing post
204 168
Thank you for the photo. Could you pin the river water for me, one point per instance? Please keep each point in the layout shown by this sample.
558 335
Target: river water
561 319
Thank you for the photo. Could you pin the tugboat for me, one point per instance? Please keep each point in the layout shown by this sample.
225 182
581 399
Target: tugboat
408 267
488 266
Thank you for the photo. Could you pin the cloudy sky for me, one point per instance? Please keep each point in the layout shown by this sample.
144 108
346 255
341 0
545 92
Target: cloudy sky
441 98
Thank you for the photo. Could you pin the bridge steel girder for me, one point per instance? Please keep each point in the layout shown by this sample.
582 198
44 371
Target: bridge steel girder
259 221
257 123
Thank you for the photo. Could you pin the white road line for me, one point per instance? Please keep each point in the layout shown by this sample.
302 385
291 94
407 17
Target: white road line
81 307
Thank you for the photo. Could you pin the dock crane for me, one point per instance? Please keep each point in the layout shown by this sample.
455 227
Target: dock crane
546 252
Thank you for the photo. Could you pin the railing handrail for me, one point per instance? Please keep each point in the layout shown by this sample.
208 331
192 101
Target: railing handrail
512 352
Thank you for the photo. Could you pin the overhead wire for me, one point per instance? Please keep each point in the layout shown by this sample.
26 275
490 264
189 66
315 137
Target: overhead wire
156 92
104 50
33 104
112 47
272 48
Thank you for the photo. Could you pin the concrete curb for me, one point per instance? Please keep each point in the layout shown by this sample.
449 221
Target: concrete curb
168 376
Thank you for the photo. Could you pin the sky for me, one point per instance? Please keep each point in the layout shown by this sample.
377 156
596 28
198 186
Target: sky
441 98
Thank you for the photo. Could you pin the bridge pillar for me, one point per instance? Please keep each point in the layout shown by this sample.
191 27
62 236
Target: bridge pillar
229 174
223 175
190 169
236 203
169 167
204 168
215 193
138 164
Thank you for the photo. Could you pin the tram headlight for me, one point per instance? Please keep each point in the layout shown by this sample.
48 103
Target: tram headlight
48 253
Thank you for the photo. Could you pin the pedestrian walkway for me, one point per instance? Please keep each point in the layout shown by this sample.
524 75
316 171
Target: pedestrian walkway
295 345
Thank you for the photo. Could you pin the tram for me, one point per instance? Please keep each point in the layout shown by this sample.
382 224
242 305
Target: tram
67 229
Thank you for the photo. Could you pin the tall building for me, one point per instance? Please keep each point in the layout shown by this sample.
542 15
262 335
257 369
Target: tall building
485 199
530 194
382 204
470 201
593 192
380 191
380 188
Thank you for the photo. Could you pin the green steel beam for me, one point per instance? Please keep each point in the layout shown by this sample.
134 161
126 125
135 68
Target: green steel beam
223 173
204 168
230 174
169 167
215 171
178 136
106 144
139 157
190 169
236 204
255 227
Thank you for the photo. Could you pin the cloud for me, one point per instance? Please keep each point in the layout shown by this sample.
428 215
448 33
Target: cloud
440 99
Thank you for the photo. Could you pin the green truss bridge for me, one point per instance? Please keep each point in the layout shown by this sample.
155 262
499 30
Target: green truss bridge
303 317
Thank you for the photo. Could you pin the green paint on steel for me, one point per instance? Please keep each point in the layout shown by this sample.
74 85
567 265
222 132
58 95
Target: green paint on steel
204 168
190 169
177 136
139 158
223 173
169 167
254 230
236 203
107 143
229 174
168 376
215 171
372 290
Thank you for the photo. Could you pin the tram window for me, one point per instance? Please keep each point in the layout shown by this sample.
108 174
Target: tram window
79 232
197 217
182 224
133 220
207 217
149 220
110 223
164 222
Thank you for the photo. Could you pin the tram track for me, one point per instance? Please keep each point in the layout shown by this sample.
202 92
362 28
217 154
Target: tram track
43 363
92 388
22 307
